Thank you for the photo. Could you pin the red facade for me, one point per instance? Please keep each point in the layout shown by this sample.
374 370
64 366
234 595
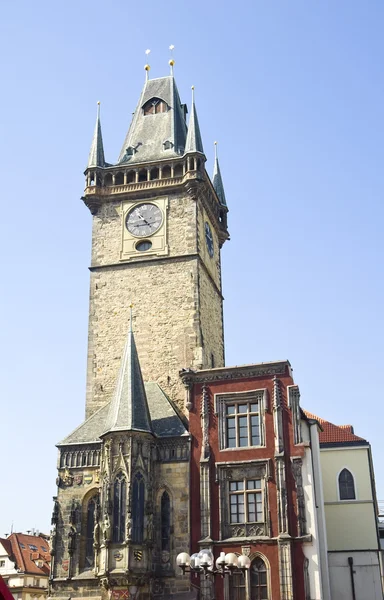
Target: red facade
221 405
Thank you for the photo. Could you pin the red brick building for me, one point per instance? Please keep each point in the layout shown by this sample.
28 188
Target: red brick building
252 481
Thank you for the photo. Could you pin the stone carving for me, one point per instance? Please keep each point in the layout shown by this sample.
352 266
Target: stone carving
71 540
246 550
67 478
300 497
55 512
205 449
129 527
282 507
106 529
150 527
190 376
52 542
73 513
294 404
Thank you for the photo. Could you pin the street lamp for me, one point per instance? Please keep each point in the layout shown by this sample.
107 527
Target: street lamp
203 563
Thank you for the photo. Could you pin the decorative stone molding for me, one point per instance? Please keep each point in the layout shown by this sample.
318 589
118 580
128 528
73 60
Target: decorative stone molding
297 465
294 405
175 450
226 472
278 416
281 488
228 373
285 568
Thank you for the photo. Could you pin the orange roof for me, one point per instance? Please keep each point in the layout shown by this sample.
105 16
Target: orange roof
335 434
25 550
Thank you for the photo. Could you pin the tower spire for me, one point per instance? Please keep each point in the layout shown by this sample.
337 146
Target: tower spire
193 142
96 153
217 180
129 410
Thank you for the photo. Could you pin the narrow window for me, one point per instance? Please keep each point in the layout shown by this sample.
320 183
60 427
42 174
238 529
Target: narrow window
119 507
259 583
165 522
91 519
237 586
346 485
138 509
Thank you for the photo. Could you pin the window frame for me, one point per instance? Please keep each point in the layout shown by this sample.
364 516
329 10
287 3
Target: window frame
245 493
229 472
340 499
245 591
224 400
119 508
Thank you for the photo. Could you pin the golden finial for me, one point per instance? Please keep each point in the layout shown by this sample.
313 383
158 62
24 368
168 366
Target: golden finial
215 149
171 61
147 66
98 103
130 317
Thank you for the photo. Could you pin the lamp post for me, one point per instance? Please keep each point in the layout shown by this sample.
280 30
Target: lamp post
203 563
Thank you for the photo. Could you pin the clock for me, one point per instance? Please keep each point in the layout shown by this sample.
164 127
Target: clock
209 239
144 220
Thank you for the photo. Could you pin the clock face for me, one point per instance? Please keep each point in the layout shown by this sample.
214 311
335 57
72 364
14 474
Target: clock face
209 239
144 220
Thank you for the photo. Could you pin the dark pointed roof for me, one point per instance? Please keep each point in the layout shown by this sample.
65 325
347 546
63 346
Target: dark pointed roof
194 142
129 410
147 134
217 180
96 153
164 418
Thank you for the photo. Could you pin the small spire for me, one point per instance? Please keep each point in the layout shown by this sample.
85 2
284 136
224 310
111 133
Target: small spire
217 180
194 142
171 60
129 410
147 67
96 153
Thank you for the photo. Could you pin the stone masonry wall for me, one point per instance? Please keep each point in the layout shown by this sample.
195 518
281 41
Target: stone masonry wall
167 305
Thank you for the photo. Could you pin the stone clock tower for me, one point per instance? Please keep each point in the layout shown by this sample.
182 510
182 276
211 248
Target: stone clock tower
121 513
159 223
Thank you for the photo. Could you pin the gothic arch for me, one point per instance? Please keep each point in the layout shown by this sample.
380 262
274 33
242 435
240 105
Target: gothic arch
348 470
86 515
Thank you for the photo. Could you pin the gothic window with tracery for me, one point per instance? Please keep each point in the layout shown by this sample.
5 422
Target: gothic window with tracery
138 509
119 507
155 106
90 528
346 485
259 581
165 522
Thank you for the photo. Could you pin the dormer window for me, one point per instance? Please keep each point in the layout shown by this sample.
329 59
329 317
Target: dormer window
130 151
167 145
155 106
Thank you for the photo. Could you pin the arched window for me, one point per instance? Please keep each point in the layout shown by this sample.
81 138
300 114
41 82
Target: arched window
259 582
346 485
138 509
155 106
119 507
165 522
237 585
92 510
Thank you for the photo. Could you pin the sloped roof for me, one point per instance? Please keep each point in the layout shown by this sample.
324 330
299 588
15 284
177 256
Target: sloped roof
164 418
128 410
96 153
194 142
335 434
25 556
147 133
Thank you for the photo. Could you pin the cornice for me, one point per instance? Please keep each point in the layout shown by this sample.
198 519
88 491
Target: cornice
190 377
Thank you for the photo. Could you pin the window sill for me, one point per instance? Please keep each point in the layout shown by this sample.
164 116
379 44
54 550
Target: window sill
240 448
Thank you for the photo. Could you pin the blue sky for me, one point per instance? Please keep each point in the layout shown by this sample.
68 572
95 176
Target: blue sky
293 92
